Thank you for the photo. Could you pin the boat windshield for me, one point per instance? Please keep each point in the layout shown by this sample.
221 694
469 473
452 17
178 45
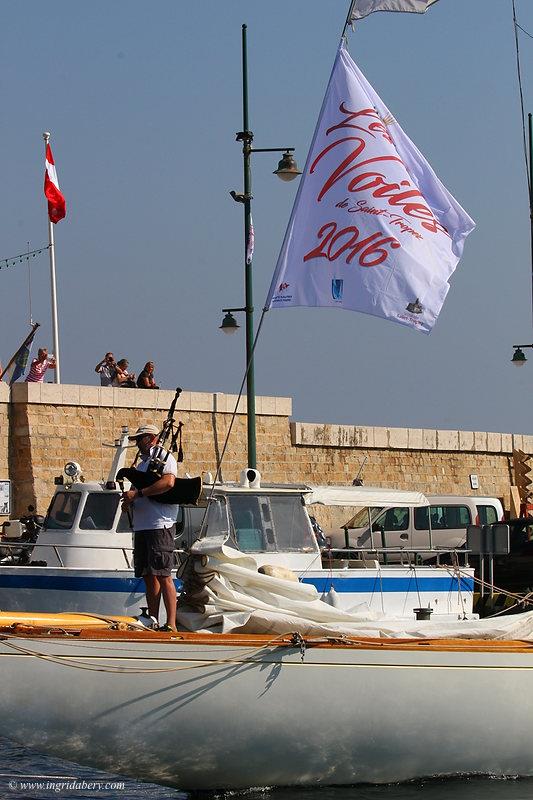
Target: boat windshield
216 520
99 511
271 523
62 511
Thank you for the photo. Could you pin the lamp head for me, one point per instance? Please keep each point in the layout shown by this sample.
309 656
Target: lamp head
519 357
287 168
72 470
229 323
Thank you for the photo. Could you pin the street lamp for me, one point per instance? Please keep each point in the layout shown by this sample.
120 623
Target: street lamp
229 323
287 170
519 357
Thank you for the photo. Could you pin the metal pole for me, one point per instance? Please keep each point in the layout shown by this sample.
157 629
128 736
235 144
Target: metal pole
246 151
530 125
53 288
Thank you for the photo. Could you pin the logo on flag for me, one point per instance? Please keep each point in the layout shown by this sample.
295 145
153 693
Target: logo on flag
56 201
371 224
415 308
336 288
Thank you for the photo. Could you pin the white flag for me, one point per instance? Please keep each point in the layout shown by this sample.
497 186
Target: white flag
372 228
361 8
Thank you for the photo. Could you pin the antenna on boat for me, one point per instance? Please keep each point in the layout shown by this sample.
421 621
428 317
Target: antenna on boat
358 481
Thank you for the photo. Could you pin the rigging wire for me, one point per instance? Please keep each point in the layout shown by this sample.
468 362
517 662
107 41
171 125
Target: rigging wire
521 93
233 416
524 30
12 260
529 165
29 283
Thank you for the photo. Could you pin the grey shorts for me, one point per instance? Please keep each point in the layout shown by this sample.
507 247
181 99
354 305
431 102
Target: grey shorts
153 552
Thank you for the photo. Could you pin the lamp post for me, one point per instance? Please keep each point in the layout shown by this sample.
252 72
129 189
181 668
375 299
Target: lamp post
287 170
519 357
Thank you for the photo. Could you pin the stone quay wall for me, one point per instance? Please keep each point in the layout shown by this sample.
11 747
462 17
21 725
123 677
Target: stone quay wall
42 426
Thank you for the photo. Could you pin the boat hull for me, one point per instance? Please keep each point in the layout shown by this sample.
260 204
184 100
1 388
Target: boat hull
55 589
394 591
232 712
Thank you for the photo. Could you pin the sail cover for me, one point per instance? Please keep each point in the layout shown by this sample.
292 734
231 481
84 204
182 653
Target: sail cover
224 592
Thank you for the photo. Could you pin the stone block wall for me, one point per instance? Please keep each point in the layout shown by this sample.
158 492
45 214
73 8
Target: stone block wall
44 425
51 424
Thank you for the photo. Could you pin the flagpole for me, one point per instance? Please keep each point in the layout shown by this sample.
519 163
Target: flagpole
348 18
53 287
530 131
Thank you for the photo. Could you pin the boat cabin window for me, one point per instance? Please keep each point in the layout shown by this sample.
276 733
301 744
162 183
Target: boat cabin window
216 521
189 524
124 524
62 511
442 518
99 511
270 523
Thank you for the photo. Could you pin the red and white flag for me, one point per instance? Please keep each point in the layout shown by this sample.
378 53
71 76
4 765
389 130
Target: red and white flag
56 201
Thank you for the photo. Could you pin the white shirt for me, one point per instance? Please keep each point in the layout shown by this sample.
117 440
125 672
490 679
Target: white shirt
149 514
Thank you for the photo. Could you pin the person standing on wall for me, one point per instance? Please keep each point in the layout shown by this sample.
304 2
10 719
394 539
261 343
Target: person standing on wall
107 369
154 528
146 378
39 366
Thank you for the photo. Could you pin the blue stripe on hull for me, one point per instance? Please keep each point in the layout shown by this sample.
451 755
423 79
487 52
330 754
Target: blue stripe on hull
75 584
358 585
363 585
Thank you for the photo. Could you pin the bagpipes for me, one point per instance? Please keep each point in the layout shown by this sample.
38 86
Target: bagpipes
185 490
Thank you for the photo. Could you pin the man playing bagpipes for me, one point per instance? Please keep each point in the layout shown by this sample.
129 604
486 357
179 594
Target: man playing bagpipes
154 498
154 523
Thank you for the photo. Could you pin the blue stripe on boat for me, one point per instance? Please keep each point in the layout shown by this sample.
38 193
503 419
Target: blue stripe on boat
361 585
446 583
75 584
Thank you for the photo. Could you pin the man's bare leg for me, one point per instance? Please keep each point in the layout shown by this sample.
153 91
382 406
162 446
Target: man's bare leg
153 594
168 590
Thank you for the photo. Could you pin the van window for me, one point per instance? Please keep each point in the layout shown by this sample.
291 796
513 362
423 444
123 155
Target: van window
394 519
442 518
487 515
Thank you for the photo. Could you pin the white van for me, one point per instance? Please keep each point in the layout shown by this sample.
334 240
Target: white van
408 528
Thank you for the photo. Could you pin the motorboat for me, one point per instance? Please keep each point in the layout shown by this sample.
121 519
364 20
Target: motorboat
82 560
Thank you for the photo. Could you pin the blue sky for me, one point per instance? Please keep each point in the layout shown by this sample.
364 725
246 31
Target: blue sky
143 101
